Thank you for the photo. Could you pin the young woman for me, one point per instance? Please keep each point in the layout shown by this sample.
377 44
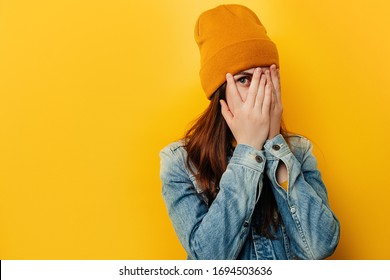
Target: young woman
238 186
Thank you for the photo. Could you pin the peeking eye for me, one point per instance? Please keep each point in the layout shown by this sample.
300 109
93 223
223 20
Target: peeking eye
244 81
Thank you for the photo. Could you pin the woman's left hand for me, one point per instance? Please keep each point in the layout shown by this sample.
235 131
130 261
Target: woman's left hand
276 109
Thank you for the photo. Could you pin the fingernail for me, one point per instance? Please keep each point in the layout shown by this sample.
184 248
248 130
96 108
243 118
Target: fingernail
258 70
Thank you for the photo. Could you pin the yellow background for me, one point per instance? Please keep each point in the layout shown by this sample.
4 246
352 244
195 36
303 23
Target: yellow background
90 91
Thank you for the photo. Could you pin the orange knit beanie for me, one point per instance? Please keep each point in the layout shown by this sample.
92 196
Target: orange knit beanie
231 38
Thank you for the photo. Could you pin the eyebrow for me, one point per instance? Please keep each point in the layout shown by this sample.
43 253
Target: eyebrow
244 73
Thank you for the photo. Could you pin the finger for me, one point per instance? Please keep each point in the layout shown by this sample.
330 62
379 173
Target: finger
279 92
253 88
232 90
275 77
267 100
273 98
260 93
268 76
269 84
226 113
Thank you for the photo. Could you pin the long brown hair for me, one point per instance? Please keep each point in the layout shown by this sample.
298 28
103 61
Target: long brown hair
208 144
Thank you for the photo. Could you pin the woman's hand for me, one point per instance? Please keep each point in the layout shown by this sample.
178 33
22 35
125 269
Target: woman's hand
249 120
276 108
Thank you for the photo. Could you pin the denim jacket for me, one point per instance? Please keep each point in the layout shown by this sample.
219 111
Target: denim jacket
309 228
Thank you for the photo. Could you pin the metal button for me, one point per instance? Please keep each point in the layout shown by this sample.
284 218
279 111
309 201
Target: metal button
276 147
259 159
293 210
246 224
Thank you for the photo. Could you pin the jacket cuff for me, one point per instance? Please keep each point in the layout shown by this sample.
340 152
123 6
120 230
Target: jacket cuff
276 147
248 156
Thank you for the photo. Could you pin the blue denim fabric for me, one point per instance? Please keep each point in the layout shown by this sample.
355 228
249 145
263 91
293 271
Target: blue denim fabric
310 230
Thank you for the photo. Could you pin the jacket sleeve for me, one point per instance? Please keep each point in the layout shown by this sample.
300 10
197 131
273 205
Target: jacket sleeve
218 231
312 227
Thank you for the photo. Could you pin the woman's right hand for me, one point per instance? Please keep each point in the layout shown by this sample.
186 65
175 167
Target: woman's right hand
249 120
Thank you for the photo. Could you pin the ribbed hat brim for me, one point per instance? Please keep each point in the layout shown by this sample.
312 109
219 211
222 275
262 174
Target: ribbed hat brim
234 58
